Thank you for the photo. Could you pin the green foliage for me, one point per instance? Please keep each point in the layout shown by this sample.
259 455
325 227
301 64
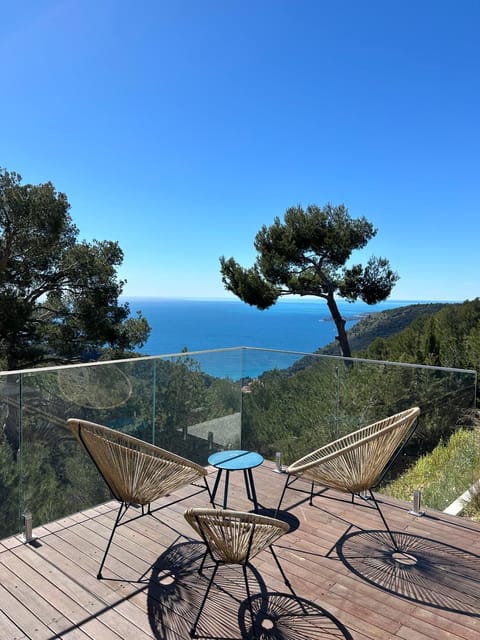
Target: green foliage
444 474
52 478
281 412
448 338
223 397
307 255
472 509
9 490
379 325
58 296
182 399
298 411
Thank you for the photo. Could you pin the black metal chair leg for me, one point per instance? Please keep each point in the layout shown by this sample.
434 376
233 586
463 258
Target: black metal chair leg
392 537
215 487
282 496
193 630
123 508
200 568
286 580
280 568
208 489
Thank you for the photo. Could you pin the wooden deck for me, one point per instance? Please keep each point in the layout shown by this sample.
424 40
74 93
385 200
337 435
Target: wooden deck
337 556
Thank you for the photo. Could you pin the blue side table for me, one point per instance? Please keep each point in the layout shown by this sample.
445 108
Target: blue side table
235 460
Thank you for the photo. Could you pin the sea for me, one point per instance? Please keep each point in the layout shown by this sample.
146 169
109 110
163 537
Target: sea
297 326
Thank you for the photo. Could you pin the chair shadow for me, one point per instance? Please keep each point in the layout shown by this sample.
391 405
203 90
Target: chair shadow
176 589
426 571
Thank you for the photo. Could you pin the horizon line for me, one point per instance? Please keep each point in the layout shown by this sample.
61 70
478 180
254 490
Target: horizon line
289 300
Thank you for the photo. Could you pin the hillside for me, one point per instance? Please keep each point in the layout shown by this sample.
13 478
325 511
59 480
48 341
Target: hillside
382 324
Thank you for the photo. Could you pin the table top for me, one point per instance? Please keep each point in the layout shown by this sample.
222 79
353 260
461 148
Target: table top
234 460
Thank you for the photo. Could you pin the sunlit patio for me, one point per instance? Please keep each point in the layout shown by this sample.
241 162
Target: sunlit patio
337 556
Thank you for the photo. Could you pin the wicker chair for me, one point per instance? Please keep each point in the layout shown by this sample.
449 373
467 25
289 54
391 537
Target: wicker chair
357 462
137 473
234 537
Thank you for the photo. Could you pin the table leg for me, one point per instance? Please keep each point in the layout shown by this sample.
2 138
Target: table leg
225 493
250 486
247 485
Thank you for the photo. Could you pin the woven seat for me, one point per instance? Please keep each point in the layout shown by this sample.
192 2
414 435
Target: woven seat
358 461
137 473
234 537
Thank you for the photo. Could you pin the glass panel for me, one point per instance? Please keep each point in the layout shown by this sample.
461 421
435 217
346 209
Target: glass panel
198 405
11 507
172 402
199 402
370 391
298 408
292 408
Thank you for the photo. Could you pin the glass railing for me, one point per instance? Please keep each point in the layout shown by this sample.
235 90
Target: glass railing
196 403
294 409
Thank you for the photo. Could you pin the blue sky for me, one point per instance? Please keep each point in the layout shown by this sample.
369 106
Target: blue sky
179 128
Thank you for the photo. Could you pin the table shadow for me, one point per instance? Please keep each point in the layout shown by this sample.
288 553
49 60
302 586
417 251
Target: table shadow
286 516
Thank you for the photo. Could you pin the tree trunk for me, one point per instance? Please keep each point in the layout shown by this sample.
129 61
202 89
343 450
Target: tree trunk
340 324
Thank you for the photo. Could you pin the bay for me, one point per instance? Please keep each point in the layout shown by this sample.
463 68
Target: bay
199 325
